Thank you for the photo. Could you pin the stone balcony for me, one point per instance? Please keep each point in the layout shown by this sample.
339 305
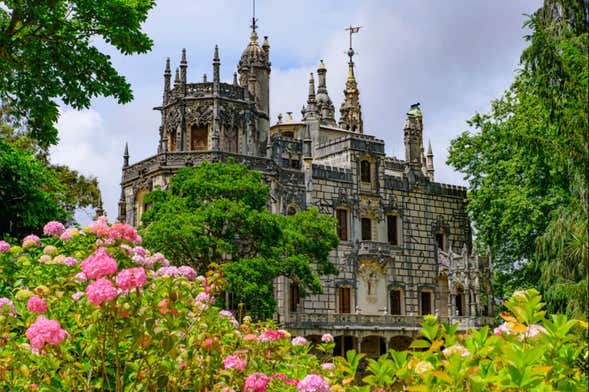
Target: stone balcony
376 322
368 248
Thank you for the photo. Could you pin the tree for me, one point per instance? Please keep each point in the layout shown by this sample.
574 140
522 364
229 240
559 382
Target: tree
48 52
216 213
527 161
77 191
29 194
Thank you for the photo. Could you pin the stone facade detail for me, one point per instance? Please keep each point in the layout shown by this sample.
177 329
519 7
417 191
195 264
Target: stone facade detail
399 229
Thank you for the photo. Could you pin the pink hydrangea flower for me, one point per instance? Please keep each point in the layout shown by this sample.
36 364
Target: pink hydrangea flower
77 295
256 382
505 328
313 383
81 277
140 251
534 331
272 335
70 261
7 307
44 331
30 241
99 228
299 341
37 305
456 349
205 298
168 271
54 229
327 338
99 264
234 362
101 291
4 246
160 258
131 277
66 236
327 366
188 272
124 231
50 250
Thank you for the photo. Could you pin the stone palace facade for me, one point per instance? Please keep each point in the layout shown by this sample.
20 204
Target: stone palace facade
405 247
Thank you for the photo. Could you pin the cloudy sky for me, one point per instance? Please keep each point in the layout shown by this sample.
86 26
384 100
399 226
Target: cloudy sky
453 57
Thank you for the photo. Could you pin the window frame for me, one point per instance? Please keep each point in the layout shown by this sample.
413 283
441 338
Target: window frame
396 238
400 291
341 305
422 302
365 171
342 229
363 220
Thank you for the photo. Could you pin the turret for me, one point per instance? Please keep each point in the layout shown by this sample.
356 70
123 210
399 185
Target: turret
413 137
183 67
216 66
167 77
324 104
351 111
311 109
430 161
126 156
177 78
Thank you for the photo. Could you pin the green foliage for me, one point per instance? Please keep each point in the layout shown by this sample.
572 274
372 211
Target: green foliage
217 213
48 52
74 191
526 163
166 333
29 193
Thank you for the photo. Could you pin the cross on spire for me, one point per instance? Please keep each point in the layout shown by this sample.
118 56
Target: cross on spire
352 30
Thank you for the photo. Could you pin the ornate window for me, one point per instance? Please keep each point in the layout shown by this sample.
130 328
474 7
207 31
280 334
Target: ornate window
396 302
199 138
291 210
365 171
342 223
425 302
366 224
344 299
393 229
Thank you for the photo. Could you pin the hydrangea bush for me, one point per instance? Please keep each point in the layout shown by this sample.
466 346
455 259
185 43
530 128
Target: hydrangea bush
92 309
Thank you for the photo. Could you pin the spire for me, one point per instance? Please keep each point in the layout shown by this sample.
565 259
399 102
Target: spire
204 78
430 161
254 35
99 209
126 155
311 110
183 66
324 104
235 82
216 65
167 77
351 110
177 78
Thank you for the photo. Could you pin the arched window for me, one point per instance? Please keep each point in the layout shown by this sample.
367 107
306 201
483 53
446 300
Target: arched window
199 138
459 301
172 142
291 210
365 171
440 240
140 206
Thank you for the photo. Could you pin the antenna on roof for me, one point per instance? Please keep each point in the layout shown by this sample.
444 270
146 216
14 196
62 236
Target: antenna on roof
254 20
352 30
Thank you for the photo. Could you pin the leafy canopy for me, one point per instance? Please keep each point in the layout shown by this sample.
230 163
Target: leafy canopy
526 162
48 51
217 213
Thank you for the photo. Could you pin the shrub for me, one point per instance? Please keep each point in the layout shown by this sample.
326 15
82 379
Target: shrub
92 309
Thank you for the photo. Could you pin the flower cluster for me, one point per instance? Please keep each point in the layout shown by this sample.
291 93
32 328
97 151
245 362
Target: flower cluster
99 264
101 291
234 362
54 229
31 241
4 246
299 341
37 305
313 383
256 382
44 331
7 307
131 277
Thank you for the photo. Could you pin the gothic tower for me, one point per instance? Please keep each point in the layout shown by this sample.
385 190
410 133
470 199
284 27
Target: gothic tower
351 111
413 137
254 72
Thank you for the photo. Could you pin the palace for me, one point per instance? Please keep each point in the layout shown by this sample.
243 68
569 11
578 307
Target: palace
405 248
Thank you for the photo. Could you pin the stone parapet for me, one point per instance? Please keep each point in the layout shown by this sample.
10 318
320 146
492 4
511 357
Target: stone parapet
332 173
